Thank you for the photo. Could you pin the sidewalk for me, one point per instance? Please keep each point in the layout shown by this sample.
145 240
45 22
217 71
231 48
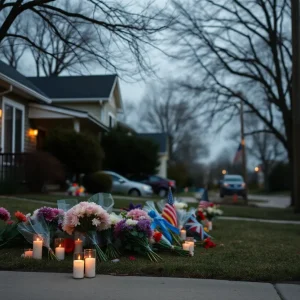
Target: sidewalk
49 286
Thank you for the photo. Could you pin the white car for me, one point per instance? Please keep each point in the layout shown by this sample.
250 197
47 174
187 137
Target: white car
122 185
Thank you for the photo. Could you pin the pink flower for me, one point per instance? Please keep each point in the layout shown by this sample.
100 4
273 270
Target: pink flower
137 214
4 214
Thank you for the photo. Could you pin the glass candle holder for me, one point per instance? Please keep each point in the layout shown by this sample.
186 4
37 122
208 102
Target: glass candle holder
78 240
90 263
190 241
59 244
28 253
183 234
37 246
78 265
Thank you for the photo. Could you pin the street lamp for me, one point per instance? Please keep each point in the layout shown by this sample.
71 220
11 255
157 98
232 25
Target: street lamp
256 169
224 172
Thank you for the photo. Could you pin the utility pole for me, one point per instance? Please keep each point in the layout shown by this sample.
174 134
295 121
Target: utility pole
244 159
296 102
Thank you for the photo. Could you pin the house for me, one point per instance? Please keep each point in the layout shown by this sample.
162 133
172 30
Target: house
162 140
31 106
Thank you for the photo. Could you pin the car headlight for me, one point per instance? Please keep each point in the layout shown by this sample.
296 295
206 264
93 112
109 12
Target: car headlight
243 184
226 184
147 188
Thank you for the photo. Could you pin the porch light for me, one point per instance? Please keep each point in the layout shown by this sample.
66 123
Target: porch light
33 132
0 113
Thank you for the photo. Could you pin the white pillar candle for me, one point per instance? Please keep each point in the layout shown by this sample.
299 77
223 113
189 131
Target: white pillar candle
78 268
186 246
183 234
28 253
192 245
209 225
78 246
37 248
90 267
60 252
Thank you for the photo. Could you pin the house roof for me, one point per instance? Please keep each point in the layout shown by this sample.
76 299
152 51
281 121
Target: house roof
15 78
76 87
67 111
161 139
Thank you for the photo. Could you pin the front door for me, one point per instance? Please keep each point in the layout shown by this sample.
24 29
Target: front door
40 140
12 135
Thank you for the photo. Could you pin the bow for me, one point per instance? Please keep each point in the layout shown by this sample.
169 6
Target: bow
159 221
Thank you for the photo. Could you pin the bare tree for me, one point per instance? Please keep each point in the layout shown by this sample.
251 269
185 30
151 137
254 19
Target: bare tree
239 51
12 50
167 109
124 30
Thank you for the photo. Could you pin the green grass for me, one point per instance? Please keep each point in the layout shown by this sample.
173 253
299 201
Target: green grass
229 210
268 213
245 251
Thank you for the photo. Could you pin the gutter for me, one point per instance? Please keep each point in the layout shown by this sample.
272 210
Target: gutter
7 91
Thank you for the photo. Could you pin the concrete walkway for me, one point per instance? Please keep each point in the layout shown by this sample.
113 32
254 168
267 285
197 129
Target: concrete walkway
49 286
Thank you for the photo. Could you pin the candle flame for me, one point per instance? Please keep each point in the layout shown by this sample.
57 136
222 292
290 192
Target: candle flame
59 245
79 257
90 256
37 239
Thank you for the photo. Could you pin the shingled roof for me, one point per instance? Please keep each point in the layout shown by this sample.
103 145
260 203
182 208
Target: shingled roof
76 87
15 78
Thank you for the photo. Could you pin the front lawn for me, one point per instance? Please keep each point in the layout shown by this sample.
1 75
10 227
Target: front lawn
245 251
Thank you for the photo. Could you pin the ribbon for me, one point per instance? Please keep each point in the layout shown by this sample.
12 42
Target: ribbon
159 221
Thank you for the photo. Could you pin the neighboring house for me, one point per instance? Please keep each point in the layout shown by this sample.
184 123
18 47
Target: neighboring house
29 107
162 140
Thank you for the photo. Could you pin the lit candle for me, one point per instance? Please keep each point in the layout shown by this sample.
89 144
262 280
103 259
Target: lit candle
78 246
37 248
192 245
183 234
78 267
28 253
90 267
60 252
186 246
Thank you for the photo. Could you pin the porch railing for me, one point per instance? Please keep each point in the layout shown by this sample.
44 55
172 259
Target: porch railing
12 168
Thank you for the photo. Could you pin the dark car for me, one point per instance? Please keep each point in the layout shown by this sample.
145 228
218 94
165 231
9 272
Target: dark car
233 185
159 184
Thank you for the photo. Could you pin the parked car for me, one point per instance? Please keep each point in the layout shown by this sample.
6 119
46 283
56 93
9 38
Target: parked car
233 184
159 184
122 185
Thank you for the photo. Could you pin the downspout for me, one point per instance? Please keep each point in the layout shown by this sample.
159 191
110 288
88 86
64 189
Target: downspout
2 94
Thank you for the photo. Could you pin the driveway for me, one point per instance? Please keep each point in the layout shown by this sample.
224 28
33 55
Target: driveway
49 286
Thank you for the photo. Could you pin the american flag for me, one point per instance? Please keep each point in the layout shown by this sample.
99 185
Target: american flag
169 211
203 204
238 153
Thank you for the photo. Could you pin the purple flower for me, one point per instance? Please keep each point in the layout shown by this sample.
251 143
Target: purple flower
4 214
132 207
48 213
119 228
145 226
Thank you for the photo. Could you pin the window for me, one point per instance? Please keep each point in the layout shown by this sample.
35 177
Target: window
111 121
12 127
154 179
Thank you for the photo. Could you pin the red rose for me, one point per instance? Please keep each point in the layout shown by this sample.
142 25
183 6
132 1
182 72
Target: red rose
209 244
201 215
211 204
132 258
157 236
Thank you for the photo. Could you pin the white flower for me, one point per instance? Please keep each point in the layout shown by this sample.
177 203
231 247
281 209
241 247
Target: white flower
96 222
210 210
114 218
180 205
131 222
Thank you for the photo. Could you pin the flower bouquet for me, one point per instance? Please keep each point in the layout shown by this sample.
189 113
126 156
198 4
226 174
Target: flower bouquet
161 242
108 236
87 218
38 225
53 218
135 236
10 235
211 211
